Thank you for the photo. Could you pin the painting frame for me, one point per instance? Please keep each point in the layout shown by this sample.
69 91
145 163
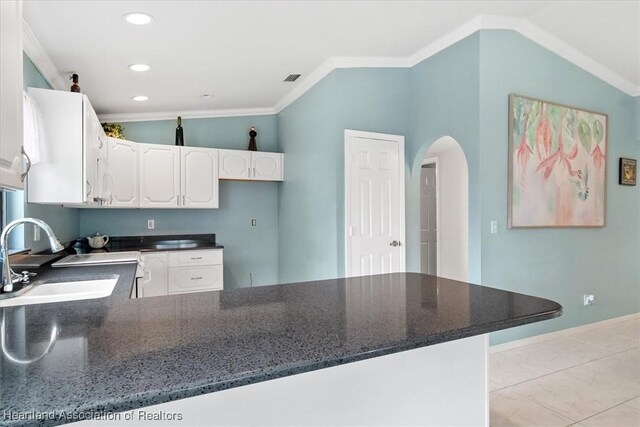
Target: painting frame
583 189
627 180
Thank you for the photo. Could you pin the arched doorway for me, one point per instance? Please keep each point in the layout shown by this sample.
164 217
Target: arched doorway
444 210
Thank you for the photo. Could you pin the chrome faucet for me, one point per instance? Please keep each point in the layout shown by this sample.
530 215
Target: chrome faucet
9 277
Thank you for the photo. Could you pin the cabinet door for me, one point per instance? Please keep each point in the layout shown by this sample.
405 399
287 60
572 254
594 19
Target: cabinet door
235 164
11 165
91 152
199 170
104 185
159 176
195 279
59 177
120 184
154 279
266 166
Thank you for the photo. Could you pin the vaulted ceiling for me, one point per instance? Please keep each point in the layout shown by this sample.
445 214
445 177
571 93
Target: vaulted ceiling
240 52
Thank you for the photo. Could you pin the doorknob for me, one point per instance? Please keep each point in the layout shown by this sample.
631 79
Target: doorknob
394 243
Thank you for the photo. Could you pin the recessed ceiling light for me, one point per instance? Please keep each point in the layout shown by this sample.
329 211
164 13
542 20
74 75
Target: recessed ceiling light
137 18
139 67
140 98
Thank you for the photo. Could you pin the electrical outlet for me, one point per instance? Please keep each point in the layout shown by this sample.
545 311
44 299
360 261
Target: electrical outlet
151 224
253 223
36 233
494 227
589 300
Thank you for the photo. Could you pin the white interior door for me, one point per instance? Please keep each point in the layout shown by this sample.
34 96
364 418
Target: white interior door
429 219
374 203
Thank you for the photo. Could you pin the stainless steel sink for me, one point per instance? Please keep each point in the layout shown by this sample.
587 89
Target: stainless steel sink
178 244
44 293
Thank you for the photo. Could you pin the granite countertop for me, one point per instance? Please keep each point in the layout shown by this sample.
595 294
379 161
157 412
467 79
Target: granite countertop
116 354
168 242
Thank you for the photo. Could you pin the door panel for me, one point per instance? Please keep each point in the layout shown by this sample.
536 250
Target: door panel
375 211
235 164
121 182
428 220
266 166
199 168
159 176
154 281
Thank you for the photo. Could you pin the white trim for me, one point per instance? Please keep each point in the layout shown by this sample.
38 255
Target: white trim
399 139
193 114
436 161
562 333
480 22
36 53
41 60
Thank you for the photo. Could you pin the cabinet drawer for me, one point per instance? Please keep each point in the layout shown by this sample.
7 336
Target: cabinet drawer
195 279
189 258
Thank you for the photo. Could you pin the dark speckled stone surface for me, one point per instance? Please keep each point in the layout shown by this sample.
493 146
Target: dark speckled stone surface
116 354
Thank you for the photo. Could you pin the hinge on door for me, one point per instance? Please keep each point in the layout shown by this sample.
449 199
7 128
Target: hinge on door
350 231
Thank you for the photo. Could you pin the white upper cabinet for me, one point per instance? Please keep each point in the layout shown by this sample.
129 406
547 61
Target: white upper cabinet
251 165
95 156
266 166
121 180
11 164
235 164
199 173
67 171
159 176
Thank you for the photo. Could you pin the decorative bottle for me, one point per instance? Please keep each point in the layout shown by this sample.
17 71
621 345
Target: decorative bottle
179 133
252 139
75 87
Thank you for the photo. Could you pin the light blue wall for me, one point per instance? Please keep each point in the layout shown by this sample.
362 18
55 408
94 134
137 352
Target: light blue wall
463 92
64 221
636 118
311 134
560 264
445 101
248 250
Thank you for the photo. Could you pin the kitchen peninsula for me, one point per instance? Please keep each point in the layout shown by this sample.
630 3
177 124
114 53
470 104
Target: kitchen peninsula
401 348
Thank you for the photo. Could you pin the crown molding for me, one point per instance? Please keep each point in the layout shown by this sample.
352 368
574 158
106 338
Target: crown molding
193 114
576 57
41 60
36 53
480 22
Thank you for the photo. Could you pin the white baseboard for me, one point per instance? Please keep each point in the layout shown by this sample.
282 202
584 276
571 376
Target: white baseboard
562 333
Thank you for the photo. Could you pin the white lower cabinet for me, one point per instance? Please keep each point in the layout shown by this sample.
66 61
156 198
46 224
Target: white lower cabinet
178 272
154 278
195 279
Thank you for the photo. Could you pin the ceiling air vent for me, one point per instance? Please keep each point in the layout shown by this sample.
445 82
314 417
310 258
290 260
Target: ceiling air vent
292 77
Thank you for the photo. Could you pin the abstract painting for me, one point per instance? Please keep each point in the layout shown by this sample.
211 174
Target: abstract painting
557 165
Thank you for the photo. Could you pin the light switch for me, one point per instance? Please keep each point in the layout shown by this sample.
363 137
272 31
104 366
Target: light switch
253 222
494 227
151 224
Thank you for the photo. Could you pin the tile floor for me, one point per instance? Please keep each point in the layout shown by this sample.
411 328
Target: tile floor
586 379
